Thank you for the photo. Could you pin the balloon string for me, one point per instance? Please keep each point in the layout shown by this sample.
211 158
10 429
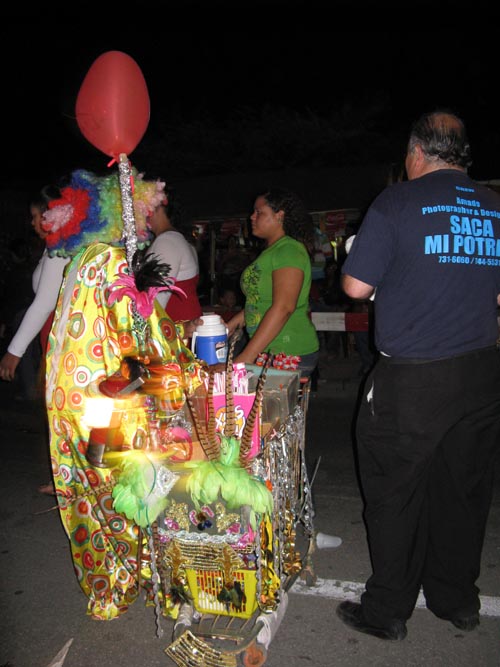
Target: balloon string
111 162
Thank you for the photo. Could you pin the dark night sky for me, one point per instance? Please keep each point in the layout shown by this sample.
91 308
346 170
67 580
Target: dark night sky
218 73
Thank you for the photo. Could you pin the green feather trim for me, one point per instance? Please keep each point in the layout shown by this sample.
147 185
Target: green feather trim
137 493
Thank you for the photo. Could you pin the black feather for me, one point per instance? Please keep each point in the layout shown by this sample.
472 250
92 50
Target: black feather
239 596
180 594
136 368
149 271
224 596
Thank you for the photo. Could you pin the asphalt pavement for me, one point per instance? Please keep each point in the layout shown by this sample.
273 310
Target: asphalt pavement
43 609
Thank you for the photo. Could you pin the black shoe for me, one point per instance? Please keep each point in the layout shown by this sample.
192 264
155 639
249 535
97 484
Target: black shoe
466 623
351 613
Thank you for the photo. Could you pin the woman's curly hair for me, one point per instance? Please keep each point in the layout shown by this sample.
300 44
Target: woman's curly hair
297 221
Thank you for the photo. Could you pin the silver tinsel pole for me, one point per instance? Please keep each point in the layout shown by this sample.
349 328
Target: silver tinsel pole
141 326
129 230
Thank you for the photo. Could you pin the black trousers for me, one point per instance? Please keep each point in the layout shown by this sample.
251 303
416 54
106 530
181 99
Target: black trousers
427 435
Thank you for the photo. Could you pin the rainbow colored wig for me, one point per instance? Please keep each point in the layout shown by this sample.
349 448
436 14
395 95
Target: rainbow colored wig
90 209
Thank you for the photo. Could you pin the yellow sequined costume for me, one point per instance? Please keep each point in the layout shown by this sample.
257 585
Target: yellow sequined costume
87 343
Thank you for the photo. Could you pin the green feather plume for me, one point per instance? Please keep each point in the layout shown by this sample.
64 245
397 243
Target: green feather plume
228 480
137 493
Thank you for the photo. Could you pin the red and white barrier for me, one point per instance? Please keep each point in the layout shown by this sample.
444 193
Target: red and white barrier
328 321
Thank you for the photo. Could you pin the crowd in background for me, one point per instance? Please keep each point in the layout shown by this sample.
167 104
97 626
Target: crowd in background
22 247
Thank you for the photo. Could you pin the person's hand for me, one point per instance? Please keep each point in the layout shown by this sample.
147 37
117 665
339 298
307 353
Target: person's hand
8 366
236 322
190 326
244 357
232 329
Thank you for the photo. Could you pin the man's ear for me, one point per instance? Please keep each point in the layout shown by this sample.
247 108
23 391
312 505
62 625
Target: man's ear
418 152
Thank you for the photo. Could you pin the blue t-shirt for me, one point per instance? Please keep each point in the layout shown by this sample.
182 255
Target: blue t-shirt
431 247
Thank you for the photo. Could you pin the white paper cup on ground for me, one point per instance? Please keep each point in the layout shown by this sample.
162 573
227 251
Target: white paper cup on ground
324 541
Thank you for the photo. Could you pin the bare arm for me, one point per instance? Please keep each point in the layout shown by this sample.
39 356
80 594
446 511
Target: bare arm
237 321
287 283
355 288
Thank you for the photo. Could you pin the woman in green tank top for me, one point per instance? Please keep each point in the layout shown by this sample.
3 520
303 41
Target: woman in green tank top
276 285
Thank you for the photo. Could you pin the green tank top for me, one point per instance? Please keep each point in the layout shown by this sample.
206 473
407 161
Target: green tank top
298 336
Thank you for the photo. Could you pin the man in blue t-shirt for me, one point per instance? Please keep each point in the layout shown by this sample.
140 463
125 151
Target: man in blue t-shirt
429 421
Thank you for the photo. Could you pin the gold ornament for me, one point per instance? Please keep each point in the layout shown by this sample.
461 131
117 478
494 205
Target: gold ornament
178 512
224 519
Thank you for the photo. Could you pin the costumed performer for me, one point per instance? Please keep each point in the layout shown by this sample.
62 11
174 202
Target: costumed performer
90 337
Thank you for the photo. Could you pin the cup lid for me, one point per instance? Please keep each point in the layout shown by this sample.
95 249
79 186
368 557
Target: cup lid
211 318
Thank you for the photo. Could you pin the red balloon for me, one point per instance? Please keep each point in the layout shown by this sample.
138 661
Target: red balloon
112 107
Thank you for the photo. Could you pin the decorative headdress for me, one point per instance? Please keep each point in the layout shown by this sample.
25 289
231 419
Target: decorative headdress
90 209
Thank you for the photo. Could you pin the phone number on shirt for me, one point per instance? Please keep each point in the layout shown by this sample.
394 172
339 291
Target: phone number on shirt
458 259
